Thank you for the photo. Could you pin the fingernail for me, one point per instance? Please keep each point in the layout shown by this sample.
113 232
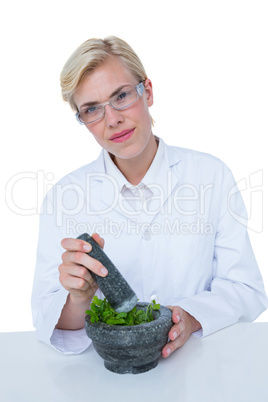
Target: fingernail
178 318
87 247
104 271
175 334
168 351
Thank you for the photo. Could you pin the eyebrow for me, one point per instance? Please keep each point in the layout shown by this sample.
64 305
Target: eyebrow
86 104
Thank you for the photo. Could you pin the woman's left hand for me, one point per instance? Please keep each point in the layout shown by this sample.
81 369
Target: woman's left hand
184 325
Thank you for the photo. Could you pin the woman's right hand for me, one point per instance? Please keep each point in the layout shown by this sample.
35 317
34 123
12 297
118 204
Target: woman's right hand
74 270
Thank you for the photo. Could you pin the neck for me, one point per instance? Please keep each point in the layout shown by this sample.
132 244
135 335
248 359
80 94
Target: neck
135 169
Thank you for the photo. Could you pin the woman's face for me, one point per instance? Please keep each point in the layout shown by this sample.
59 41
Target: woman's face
135 120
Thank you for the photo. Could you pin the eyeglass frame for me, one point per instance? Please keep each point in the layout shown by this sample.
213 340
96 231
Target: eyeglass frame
139 89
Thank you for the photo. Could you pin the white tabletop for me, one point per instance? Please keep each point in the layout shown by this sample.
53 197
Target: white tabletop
230 366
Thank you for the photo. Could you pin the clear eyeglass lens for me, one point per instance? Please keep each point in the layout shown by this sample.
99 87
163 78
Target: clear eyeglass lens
90 114
124 98
121 100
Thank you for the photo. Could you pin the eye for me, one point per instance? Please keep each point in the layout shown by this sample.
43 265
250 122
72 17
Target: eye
90 110
122 96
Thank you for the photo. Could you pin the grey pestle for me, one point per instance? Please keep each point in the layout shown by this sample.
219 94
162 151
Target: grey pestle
114 286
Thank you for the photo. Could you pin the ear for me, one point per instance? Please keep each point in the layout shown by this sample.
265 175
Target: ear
149 92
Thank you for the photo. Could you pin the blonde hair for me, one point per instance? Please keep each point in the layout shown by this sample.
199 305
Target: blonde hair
90 55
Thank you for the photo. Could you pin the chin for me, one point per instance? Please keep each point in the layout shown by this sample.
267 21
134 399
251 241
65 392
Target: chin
129 153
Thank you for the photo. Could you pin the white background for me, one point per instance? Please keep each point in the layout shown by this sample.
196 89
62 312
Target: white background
208 63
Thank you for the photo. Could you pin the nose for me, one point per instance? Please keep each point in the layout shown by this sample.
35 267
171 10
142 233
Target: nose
112 116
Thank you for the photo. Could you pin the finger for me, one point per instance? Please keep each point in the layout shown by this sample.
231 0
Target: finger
174 345
98 239
77 271
80 258
71 283
176 330
177 314
178 336
71 244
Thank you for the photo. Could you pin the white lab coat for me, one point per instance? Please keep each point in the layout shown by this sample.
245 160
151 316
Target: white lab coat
190 248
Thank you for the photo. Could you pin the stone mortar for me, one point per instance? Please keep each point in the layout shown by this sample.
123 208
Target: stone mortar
131 349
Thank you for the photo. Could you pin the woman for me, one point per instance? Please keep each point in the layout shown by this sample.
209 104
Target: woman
169 216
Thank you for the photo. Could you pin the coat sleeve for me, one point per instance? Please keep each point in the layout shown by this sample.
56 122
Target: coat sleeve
48 296
236 291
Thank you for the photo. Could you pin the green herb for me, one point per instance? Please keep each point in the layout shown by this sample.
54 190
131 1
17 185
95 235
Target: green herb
101 310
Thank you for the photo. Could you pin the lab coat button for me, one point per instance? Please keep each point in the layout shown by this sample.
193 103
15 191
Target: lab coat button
147 234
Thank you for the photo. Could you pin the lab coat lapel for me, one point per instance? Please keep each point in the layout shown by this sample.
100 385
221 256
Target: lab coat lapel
105 194
102 189
169 177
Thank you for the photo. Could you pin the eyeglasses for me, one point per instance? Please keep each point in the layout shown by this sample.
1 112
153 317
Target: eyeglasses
123 99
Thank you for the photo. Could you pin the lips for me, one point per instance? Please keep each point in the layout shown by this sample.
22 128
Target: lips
117 135
122 136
